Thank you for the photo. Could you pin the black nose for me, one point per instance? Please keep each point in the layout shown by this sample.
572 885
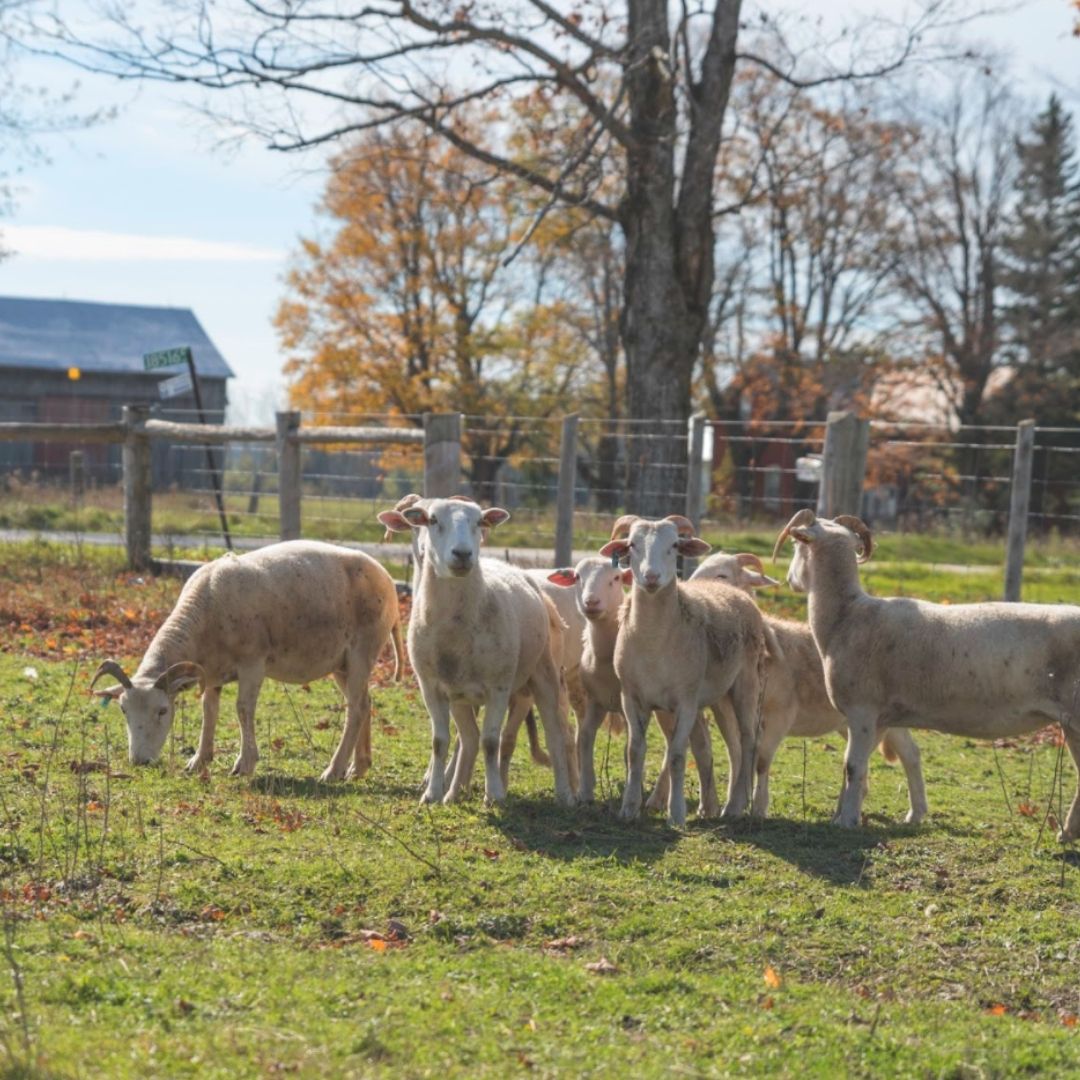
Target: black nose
461 555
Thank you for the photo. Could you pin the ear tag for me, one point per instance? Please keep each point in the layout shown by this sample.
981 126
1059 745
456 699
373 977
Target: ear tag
614 560
104 700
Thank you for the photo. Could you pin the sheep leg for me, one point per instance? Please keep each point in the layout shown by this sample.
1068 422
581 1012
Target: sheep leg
1071 828
745 701
862 737
729 732
249 682
687 717
519 709
350 731
438 708
549 692
465 755
588 725
769 738
637 720
211 704
495 709
899 742
701 747
658 800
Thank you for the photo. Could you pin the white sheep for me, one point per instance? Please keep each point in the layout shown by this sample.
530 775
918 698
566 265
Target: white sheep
598 594
682 647
796 703
293 612
480 632
983 671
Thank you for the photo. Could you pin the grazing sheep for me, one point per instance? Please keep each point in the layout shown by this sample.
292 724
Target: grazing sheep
980 670
598 593
683 646
293 612
480 632
796 703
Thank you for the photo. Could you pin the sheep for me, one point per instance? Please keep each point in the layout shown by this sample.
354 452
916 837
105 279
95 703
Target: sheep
480 631
598 594
520 705
978 670
796 703
683 646
294 612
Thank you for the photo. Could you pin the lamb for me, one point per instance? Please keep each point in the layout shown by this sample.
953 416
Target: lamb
980 670
480 632
683 646
796 703
598 594
294 612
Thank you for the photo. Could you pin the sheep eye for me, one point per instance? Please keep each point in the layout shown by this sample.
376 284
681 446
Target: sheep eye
434 520
162 711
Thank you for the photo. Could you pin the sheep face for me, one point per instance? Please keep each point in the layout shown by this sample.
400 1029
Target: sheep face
653 548
147 705
599 586
815 535
744 571
454 533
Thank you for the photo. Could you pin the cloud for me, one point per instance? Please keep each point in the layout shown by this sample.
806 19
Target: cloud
88 245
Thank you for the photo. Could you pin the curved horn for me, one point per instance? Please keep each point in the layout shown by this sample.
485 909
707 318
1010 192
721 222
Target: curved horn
621 529
861 530
111 667
407 500
462 498
801 517
684 525
747 558
185 671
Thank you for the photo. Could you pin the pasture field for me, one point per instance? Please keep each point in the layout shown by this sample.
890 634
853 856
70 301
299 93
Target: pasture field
157 924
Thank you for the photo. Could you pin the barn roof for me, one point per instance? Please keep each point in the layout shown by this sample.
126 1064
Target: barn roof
58 334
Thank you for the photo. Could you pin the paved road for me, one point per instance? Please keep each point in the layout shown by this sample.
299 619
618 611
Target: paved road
194 546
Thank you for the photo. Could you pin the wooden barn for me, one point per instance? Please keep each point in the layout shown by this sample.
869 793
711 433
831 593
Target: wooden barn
69 360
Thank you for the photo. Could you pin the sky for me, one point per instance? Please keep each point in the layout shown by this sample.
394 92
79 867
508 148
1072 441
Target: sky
151 208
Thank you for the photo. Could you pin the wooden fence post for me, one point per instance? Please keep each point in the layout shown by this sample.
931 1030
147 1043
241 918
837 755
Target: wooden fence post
442 455
77 467
288 454
135 459
1019 497
695 464
564 500
843 465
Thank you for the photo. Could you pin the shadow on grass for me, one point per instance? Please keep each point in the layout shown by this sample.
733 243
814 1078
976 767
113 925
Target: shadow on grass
540 826
302 787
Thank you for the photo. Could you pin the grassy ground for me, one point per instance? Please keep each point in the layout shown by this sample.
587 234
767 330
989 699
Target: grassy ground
157 924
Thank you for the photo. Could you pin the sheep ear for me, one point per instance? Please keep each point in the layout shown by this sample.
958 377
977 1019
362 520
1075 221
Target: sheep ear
179 677
616 548
565 577
493 516
692 546
110 693
395 521
804 536
628 576
413 515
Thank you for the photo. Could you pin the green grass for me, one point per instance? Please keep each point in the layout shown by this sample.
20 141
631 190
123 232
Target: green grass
163 925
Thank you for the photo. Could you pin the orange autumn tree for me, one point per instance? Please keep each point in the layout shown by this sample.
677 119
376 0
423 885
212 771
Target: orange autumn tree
408 304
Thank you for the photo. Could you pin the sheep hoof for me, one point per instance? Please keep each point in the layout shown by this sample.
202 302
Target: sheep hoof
914 817
243 767
628 813
329 774
566 798
845 822
1066 836
196 764
357 772
429 797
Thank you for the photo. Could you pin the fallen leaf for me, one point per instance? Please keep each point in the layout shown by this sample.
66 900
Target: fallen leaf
378 944
564 944
94 807
767 1002
490 853
997 1010
397 930
212 913
1068 1019
277 744
772 979
603 966
1027 809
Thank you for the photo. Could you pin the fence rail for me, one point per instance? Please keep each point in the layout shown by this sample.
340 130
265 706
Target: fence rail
565 477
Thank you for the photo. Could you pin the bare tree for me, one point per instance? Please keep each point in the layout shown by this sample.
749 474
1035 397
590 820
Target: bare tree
650 79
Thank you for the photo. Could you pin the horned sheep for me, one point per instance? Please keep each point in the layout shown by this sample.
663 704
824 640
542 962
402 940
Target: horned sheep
983 671
293 612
